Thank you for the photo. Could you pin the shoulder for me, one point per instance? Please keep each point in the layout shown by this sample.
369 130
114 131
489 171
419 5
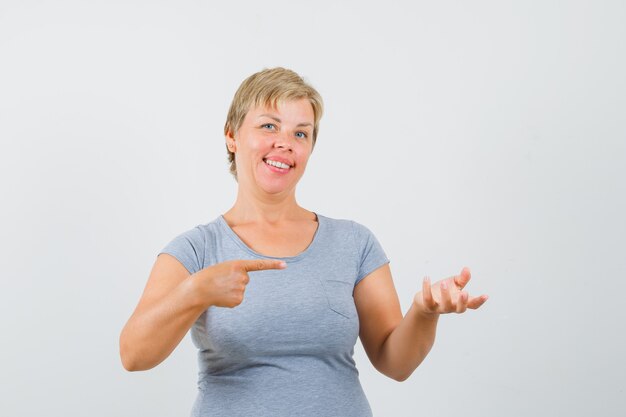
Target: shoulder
190 247
346 227
344 223
336 224
342 229
201 233
197 238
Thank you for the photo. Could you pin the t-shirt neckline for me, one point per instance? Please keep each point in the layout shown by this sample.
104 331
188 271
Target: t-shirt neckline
316 237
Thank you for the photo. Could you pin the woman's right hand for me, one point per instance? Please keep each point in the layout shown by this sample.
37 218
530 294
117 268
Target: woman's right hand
173 300
224 284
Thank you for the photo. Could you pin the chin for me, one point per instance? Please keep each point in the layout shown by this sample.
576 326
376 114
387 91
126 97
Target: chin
275 185
275 189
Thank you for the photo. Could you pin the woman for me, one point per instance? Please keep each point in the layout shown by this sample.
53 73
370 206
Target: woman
276 295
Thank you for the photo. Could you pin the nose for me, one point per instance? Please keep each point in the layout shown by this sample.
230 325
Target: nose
284 141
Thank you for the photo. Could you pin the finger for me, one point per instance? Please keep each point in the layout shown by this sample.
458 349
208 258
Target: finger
446 299
462 279
476 302
461 304
427 295
261 264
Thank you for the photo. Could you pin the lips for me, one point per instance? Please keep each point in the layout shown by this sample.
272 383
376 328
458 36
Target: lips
279 159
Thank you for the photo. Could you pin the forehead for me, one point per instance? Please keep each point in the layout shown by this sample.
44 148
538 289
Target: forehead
299 110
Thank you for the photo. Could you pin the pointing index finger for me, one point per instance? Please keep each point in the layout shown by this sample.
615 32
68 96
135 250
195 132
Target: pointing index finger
262 264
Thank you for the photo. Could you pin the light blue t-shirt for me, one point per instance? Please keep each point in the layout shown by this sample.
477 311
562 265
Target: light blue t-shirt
287 349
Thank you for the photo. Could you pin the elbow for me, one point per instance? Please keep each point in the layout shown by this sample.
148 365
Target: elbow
399 374
132 364
128 362
130 367
400 377
135 358
134 361
129 357
396 375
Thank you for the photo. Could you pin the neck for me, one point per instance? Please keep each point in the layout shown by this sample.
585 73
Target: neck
268 209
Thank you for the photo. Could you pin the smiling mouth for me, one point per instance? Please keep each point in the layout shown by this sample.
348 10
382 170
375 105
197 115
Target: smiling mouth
277 165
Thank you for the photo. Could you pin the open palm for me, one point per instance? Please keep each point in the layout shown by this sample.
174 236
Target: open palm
447 295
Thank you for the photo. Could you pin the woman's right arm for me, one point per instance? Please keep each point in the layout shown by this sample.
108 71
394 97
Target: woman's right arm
173 300
169 306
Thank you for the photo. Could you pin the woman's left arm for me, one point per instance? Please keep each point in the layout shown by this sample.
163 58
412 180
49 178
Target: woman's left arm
396 345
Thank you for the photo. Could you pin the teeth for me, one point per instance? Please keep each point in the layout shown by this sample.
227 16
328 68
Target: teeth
276 164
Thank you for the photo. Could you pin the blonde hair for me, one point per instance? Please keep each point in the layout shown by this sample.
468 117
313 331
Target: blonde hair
268 88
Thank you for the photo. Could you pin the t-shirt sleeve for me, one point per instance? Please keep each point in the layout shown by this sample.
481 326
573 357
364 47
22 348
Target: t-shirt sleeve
188 248
370 252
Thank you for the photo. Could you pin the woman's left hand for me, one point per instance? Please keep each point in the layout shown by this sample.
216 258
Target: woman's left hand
447 295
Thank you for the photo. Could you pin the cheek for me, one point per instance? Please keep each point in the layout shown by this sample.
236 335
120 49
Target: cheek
303 160
260 143
307 151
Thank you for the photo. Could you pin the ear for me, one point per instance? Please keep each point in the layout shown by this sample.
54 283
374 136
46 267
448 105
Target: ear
230 142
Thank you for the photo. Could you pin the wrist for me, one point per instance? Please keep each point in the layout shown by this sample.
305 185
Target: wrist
196 294
423 313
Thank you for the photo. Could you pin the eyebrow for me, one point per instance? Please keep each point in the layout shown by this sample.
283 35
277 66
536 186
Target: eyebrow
271 116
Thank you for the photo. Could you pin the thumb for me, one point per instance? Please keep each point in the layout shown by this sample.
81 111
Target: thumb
462 279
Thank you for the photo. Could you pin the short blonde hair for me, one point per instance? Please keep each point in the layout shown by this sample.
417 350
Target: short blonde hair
268 88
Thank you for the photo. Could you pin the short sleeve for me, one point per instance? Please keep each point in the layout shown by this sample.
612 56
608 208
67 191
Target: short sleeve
188 248
370 252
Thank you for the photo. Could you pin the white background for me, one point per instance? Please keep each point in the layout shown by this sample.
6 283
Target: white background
488 134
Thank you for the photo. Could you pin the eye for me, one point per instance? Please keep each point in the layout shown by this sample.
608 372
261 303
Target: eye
269 125
301 135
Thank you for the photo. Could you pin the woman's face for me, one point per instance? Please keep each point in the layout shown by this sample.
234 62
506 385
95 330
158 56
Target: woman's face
272 146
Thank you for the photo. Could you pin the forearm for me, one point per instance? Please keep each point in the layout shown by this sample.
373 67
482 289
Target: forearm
150 337
408 344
